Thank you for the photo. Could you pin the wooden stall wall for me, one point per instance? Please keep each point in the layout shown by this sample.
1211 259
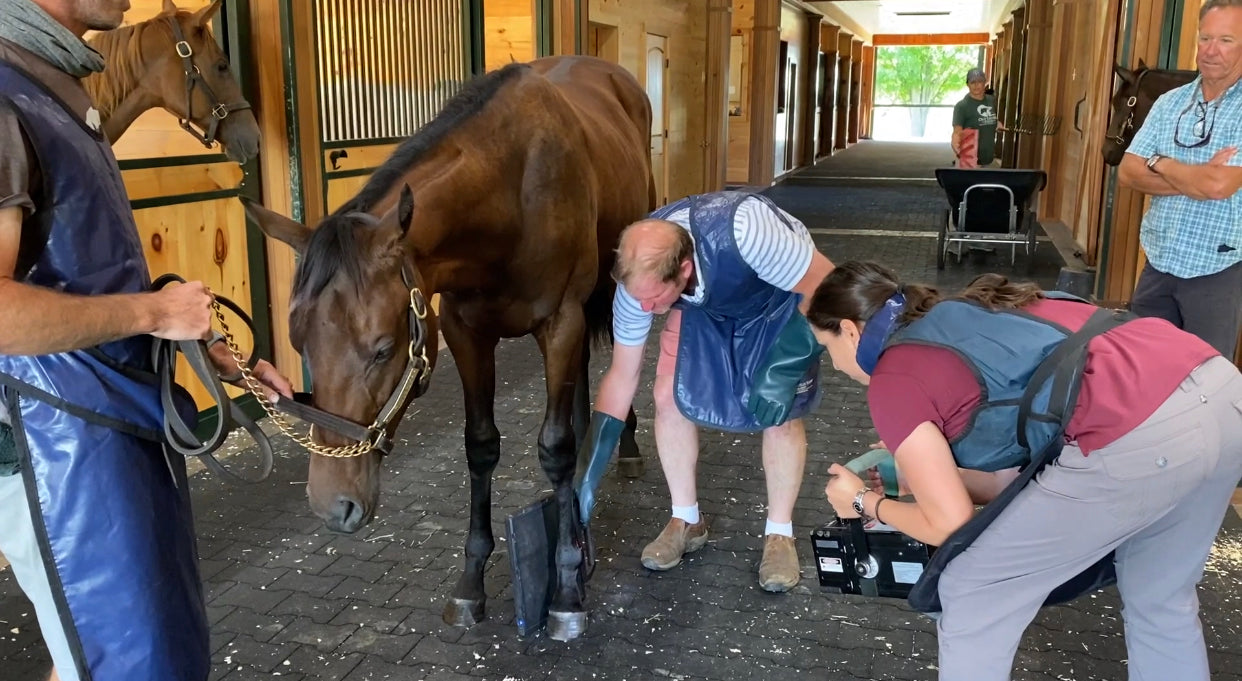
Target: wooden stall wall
383 74
683 25
1067 52
508 32
867 106
856 53
741 59
791 90
716 102
277 176
845 70
185 204
1120 254
829 36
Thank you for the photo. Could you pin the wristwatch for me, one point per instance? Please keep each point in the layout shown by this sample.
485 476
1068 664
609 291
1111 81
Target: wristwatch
858 503
1152 161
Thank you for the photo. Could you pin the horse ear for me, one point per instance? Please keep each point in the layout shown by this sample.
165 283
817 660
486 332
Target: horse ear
1141 65
1126 75
204 15
277 226
170 6
405 209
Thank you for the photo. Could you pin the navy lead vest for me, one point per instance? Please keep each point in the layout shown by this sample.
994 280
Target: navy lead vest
727 334
112 511
1029 372
1003 349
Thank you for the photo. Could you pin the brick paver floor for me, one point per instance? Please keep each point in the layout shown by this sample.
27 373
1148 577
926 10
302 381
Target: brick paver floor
291 601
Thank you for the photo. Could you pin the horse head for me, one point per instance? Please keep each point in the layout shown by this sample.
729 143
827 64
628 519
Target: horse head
356 311
172 61
1129 107
1137 92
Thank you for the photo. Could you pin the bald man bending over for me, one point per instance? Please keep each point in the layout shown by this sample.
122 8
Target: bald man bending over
732 271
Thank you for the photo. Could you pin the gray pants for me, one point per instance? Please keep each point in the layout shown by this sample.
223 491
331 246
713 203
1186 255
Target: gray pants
1210 307
1157 496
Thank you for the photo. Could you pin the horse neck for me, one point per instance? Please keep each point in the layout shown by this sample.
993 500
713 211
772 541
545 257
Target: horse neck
438 233
117 92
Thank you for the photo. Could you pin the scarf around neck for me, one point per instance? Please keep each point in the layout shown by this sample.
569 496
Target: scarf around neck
25 24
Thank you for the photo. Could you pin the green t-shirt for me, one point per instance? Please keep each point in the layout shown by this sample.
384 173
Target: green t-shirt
979 114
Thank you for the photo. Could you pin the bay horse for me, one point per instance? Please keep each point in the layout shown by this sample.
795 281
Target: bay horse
172 61
508 204
1135 95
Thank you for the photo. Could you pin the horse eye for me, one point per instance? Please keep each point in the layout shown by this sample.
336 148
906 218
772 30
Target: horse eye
383 352
222 66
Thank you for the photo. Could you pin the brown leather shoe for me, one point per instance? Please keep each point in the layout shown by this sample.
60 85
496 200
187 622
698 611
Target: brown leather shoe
676 540
779 569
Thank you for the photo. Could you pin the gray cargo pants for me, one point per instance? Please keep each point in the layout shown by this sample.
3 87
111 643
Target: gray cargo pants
1157 496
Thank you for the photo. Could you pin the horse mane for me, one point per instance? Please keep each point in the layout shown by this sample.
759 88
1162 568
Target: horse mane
333 248
122 47
460 108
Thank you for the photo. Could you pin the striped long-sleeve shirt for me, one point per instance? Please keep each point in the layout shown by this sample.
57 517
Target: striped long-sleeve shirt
779 255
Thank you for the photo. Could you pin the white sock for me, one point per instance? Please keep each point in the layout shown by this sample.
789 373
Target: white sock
784 529
690 514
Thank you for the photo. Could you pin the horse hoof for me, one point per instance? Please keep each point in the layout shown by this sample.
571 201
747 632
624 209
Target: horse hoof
461 612
631 467
566 626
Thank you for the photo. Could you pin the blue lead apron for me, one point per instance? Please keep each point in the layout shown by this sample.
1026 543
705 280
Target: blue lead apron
727 334
111 509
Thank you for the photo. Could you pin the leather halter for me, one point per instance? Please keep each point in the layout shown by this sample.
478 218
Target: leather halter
1131 102
194 78
413 383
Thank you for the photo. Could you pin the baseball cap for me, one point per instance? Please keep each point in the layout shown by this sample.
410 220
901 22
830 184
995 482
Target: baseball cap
975 75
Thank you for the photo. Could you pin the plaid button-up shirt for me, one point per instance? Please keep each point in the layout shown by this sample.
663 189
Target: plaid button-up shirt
1182 236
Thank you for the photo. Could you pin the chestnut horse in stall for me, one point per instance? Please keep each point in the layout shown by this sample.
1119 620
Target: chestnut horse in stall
1138 90
508 204
171 61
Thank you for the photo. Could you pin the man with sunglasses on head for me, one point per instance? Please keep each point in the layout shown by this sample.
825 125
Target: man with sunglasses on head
1186 157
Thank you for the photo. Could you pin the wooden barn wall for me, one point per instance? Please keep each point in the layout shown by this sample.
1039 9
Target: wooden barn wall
1071 81
740 58
684 24
276 173
508 32
845 70
186 227
1121 255
867 107
789 129
829 41
716 102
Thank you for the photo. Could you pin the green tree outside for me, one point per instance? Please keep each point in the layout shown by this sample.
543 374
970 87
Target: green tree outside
923 75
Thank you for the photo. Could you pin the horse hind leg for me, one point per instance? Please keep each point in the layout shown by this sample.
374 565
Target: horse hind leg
476 363
630 459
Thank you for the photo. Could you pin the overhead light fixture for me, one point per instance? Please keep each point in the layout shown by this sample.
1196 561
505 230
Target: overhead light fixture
922 14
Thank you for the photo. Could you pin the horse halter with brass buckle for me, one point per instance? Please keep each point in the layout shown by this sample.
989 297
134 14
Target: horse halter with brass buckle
414 382
194 78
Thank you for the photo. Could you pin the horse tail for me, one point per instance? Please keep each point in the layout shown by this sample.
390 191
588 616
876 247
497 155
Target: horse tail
598 312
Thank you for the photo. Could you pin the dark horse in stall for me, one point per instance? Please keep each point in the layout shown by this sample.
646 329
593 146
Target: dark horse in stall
1138 90
508 204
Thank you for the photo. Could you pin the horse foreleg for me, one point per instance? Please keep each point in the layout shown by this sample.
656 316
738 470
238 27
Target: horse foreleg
582 395
476 363
560 340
